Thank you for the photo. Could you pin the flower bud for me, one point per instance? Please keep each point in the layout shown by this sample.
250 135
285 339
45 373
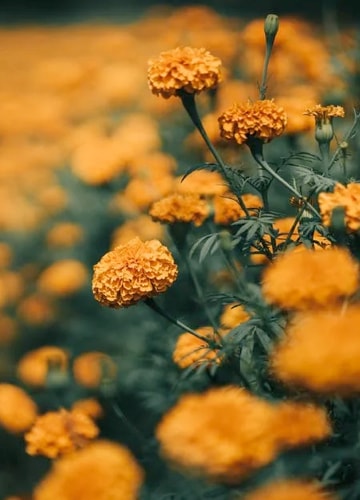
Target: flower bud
271 27
324 132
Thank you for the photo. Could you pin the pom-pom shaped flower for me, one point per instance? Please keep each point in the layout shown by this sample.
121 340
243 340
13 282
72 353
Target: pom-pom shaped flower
36 367
93 368
347 197
185 69
60 432
190 350
17 410
324 114
306 279
180 207
64 277
321 352
132 272
227 208
226 433
261 120
117 475
296 489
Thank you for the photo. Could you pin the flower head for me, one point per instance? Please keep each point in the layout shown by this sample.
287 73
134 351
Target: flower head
305 279
17 410
321 352
262 120
181 207
92 368
72 476
233 315
296 489
35 366
324 114
190 350
63 277
227 208
347 197
185 69
60 432
132 272
226 433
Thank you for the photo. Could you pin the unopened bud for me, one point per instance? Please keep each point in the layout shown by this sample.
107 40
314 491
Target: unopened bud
271 27
324 132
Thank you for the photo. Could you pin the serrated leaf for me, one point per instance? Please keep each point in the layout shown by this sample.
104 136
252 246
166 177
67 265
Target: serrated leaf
206 248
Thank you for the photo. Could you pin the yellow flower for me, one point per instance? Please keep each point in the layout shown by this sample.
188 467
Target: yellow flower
180 207
17 410
347 197
190 350
226 433
92 368
227 208
117 473
321 352
296 489
305 279
132 272
63 277
35 366
60 432
262 120
186 69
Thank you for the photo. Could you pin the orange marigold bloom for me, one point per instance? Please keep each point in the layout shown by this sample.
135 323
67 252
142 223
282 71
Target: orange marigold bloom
64 234
321 352
117 473
227 208
36 309
347 197
308 279
63 277
180 207
90 407
17 410
296 489
60 432
324 114
226 433
35 366
142 226
262 120
202 182
132 272
186 69
233 315
91 368
190 350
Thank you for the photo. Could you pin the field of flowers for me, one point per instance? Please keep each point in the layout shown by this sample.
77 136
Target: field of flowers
179 259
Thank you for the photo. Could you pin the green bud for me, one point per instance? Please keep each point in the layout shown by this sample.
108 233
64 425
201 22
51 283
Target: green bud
271 26
324 132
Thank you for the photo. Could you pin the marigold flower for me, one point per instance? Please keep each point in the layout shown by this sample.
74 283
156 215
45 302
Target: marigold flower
180 207
36 309
190 350
227 208
142 226
63 277
60 432
308 279
185 69
117 472
8 329
35 366
233 315
64 234
347 197
262 120
90 407
296 489
226 433
17 410
91 368
202 182
324 114
132 272
321 352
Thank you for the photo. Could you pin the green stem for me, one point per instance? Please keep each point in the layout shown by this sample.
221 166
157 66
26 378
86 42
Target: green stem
263 85
325 156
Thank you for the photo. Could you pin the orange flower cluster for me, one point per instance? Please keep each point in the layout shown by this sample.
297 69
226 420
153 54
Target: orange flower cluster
233 315
321 351
57 433
181 207
185 69
63 277
261 120
17 410
323 114
64 234
202 182
306 279
132 272
296 489
92 368
37 366
227 208
226 433
347 197
142 226
190 350
72 476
